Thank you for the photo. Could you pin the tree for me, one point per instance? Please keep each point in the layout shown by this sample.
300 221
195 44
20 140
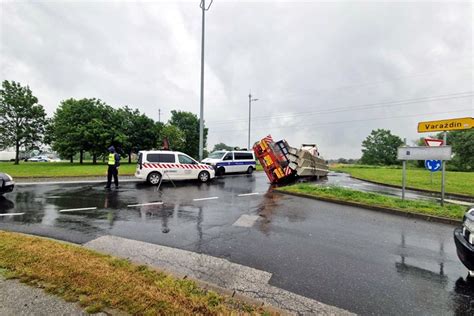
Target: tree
22 120
69 126
342 160
380 148
462 143
103 130
175 136
188 123
222 146
141 131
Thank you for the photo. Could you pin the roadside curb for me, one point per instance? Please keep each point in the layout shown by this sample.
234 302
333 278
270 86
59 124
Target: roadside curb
435 193
207 286
429 218
237 281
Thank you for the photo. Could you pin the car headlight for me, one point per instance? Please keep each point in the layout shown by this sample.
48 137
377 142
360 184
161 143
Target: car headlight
9 177
469 224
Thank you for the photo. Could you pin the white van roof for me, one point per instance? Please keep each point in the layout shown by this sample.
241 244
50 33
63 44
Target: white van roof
160 152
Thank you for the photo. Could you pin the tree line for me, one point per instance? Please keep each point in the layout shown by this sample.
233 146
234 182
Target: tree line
89 125
380 148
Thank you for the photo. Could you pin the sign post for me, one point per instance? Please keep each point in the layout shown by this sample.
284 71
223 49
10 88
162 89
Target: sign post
446 125
405 153
443 126
433 165
443 163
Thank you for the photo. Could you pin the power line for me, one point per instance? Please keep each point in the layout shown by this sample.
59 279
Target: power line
444 97
347 121
376 83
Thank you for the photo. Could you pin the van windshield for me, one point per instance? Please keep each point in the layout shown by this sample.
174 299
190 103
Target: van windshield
216 155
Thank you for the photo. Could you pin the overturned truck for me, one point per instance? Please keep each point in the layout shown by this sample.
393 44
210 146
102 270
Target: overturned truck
281 162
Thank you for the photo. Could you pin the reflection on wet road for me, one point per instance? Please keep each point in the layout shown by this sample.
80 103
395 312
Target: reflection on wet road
360 260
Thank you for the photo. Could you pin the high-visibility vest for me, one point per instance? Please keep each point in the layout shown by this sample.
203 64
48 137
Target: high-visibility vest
111 159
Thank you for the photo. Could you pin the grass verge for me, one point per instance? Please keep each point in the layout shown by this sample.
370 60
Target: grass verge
456 182
99 281
66 169
61 169
449 211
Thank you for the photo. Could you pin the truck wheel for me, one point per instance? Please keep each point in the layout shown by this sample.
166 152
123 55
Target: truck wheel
250 170
204 176
154 178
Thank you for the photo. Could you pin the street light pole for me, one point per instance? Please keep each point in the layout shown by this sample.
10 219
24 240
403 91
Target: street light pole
250 116
201 112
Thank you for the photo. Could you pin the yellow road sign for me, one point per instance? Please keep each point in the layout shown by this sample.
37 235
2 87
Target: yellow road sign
446 125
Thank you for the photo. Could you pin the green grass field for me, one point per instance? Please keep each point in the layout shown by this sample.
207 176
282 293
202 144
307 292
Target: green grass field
61 169
451 211
456 182
65 169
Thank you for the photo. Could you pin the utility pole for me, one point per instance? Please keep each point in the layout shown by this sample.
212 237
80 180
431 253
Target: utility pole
159 115
404 173
250 116
201 113
443 162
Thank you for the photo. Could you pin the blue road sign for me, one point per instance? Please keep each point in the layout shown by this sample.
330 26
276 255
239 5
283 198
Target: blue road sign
433 165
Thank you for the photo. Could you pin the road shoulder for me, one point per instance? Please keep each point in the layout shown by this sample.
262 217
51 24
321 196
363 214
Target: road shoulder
20 299
376 208
240 280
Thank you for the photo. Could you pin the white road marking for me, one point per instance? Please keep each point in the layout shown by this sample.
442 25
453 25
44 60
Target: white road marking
145 204
248 194
12 214
208 198
246 220
78 209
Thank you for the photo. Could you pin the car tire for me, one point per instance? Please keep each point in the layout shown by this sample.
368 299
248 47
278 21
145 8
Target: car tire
250 170
220 171
204 176
154 178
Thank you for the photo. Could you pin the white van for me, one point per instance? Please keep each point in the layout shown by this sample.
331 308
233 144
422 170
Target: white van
152 166
232 161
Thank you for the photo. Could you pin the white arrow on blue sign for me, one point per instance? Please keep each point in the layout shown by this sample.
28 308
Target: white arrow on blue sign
433 165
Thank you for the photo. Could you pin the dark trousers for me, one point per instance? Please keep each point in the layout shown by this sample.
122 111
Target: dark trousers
112 171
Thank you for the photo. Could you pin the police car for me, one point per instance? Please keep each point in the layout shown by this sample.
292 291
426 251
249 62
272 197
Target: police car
154 166
232 161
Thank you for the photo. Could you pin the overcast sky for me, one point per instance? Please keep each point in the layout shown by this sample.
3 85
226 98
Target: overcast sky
324 72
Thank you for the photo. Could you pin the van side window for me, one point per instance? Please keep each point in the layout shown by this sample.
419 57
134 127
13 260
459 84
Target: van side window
228 156
161 158
185 159
243 156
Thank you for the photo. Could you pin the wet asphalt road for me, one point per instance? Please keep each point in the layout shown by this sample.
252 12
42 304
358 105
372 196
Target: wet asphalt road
364 261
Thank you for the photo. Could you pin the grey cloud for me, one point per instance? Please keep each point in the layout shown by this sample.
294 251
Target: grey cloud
295 57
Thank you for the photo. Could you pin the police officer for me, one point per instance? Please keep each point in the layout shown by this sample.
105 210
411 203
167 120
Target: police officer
113 163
